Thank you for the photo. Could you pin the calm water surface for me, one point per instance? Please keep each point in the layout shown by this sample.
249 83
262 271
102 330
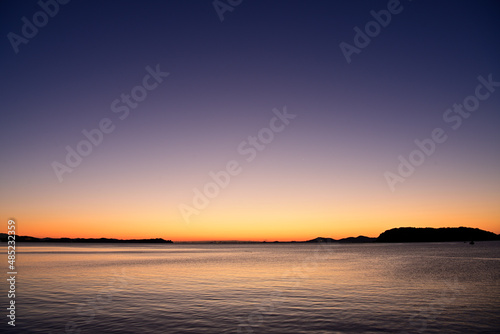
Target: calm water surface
258 288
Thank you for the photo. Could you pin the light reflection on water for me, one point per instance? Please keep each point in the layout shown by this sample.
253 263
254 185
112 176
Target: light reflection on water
258 288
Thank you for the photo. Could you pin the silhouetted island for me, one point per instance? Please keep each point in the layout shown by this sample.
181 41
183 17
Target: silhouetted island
428 234
3 238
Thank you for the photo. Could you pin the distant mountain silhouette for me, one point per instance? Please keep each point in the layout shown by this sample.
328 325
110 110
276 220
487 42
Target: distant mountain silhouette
321 239
3 238
359 239
428 234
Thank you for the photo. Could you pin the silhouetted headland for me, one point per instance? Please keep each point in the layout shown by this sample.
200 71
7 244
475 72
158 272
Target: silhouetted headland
428 234
3 238
420 234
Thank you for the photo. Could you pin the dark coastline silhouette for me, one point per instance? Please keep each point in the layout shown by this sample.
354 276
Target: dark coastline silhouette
400 234
3 238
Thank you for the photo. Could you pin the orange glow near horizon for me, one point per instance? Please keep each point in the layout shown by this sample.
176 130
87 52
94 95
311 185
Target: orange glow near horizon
266 202
283 228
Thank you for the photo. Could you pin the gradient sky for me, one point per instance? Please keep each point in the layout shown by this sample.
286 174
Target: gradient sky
323 175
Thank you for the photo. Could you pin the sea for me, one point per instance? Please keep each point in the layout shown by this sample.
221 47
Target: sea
255 288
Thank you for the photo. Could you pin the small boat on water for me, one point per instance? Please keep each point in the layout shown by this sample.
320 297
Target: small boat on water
471 243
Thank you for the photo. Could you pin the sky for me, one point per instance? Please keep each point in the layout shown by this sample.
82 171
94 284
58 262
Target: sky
248 120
